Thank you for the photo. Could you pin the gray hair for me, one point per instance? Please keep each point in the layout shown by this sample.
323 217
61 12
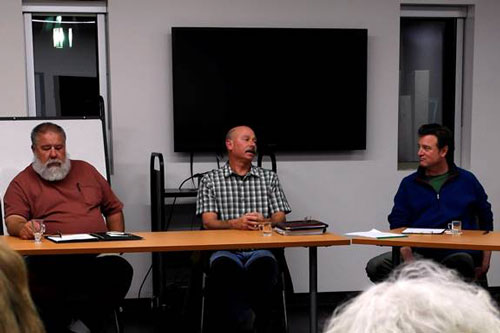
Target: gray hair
44 128
420 297
229 134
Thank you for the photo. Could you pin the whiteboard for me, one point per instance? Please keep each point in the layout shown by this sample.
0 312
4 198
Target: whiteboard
84 141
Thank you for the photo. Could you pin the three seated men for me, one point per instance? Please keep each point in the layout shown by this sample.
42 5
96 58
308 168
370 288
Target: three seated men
72 197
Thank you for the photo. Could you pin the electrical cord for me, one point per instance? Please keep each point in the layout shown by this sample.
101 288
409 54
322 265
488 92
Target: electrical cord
196 175
144 280
171 213
167 226
191 164
220 158
192 221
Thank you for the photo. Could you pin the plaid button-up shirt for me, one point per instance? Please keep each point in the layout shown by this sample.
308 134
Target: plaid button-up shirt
230 195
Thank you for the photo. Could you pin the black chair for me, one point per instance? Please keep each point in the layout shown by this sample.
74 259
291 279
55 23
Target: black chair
117 319
200 260
283 288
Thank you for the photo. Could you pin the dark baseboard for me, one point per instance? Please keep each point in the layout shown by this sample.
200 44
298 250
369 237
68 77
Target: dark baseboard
177 316
325 299
296 300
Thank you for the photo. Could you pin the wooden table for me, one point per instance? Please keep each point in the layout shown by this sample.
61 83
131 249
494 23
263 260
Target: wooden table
468 240
194 241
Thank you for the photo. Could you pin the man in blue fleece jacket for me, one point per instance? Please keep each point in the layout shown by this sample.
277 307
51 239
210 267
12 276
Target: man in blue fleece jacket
436 194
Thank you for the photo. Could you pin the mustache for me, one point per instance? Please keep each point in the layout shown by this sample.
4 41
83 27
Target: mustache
251 150
53 160
57 171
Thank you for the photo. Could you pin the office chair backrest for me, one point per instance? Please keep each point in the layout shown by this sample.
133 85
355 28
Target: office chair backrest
157 188
85 140
272 156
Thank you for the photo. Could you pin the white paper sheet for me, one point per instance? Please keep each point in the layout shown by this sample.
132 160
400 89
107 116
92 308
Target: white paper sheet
423 231
374 233
72 237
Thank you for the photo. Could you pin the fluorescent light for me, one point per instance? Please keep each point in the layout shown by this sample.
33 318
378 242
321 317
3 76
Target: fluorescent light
58 37
63 22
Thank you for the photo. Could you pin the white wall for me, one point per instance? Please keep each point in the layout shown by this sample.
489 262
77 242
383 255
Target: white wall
142 116
350 191
12 72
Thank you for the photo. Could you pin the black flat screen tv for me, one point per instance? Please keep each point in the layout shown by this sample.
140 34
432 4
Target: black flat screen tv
300 89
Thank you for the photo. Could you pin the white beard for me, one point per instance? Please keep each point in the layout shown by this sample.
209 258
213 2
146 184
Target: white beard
52 173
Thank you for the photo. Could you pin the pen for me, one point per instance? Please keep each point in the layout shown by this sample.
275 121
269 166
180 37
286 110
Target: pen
486 232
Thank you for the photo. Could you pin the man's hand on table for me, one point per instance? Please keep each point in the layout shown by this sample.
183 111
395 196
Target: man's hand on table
17 225
249 221
26 231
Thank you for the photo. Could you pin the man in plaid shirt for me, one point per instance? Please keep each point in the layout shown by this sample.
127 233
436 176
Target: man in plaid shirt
240 196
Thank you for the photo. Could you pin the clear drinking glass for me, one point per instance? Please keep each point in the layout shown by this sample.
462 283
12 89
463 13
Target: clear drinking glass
266 228
455 227
38 228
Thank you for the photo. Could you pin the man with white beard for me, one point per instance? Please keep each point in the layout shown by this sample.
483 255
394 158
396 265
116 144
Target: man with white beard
72 197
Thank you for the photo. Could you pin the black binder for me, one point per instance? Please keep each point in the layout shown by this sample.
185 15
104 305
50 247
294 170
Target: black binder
304 227
112 236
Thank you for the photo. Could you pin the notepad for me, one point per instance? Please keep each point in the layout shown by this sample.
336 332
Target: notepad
423 231
72 238
374 233
93 237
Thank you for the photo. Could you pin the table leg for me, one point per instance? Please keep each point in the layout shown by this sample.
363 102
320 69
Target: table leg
158 271
396 257
313 288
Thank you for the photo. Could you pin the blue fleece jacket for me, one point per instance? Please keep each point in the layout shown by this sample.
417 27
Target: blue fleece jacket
461 197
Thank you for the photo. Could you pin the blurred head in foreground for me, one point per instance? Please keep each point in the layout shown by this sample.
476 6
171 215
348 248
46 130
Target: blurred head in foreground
421 297
17 312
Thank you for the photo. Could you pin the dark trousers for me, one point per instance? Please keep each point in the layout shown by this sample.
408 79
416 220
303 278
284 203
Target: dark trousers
239 290
380 267
85 287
